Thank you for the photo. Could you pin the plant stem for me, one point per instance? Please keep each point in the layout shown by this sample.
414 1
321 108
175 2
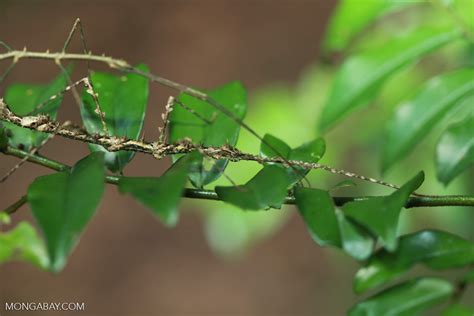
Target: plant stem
414 201
15 206
43 124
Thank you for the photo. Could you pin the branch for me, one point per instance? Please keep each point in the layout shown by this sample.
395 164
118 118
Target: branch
15 206
414 201
42 123
114 63
124 66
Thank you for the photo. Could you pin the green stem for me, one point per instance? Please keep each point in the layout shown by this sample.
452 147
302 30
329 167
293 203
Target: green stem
15 206
414 201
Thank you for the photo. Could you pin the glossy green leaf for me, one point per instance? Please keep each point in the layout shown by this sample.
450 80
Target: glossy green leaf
318 212
356 242
272 146
455 150
458 310
380 214
408 298
268 188
31 99
217 129
435 249
361 76
352 16
311 152
64 202
123 100
162 194
415 118
22 243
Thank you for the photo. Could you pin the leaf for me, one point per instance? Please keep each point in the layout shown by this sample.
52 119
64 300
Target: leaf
220 131
24 99
408 298
22 243
317 209
455 150
435 249
458 310
268 188
414 118
380 214
64 202
162 194
123 99
361 76
310 152
356 242
277 148
352 16
4 218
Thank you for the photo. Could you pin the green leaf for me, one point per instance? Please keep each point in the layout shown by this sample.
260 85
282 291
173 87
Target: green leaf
162 194
458 310
219 129
356 242
455 150
268 188
352 16
64 202
31 99
22 243
380 214
277 148
361 76
317 209
310 152
435 249
123 99
415 118
408 298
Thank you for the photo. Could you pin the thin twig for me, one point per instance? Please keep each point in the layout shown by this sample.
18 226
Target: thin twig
33 151
126 67
42 123
16 206
7 71
6 46
163 137
55 96
88 83
414 201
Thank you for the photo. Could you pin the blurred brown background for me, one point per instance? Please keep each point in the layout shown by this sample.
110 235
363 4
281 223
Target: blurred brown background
127 263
